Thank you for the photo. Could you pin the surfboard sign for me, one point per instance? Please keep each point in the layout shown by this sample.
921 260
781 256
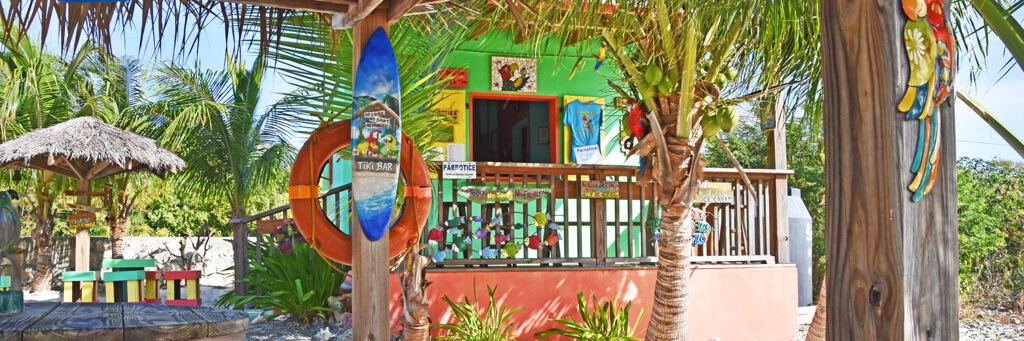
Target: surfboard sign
376 135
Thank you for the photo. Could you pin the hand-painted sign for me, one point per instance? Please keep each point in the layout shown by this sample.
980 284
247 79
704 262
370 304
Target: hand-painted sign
588 155
458 170
82 220
84 208
501 194
376 135
715 193
600 189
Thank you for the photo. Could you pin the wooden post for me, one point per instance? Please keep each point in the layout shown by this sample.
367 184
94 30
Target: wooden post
240 241
780 186
370 289
82 243
892 263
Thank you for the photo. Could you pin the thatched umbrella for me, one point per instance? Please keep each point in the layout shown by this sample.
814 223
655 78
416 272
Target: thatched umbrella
85 149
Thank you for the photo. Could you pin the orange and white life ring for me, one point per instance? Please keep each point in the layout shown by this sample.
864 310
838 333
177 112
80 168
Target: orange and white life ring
303 191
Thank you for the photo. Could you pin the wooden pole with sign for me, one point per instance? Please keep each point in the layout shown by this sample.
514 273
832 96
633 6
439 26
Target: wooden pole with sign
892 262
370 287
82 243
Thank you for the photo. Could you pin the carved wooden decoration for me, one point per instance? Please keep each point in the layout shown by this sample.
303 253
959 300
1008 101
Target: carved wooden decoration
931 53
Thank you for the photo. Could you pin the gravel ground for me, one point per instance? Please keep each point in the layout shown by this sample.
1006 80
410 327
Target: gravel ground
978 325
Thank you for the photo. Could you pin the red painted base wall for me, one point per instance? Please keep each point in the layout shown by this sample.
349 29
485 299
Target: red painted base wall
749 302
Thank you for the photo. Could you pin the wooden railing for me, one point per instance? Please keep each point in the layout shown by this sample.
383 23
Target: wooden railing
592 232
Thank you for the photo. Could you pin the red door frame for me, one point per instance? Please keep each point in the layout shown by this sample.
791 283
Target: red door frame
553 127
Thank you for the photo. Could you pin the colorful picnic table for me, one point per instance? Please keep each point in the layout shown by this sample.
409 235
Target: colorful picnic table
122 321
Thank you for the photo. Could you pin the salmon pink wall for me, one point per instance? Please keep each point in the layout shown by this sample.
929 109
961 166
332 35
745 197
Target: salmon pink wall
752 302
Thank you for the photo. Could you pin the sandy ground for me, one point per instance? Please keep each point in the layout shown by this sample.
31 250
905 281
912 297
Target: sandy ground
981 325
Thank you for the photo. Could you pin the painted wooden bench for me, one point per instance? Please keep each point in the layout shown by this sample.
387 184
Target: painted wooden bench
125 281
122 321
189 280
79 286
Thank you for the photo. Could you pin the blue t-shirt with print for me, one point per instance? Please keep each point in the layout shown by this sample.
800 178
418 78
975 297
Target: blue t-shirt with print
584 119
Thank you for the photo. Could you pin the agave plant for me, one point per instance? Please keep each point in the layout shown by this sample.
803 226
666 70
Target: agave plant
606 322
491 324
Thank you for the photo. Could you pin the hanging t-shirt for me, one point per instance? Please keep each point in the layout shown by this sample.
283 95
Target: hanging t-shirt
585 120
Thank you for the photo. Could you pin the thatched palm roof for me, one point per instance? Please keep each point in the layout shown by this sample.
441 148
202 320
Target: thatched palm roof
86 148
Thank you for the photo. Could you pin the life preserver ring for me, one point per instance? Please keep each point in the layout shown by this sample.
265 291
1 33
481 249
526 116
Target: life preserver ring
330 241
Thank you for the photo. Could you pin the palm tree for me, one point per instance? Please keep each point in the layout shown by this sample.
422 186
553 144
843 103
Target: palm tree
119 100
685 61
39 90
234 150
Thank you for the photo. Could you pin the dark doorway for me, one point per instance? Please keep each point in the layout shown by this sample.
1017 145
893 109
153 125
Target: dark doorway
511 131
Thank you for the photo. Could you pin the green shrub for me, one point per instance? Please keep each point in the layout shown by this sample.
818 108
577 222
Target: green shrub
490 325
606 322
297 284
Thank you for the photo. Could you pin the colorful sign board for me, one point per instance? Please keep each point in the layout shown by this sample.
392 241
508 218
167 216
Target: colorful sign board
502 194
513 74
715 193
376 135
600 189
82 220
458 170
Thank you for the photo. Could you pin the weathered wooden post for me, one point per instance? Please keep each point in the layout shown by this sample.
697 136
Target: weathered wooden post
780 186
892 271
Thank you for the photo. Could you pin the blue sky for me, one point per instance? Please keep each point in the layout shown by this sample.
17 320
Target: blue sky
1000 89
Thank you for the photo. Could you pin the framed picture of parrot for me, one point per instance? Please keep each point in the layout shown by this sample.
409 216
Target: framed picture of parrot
513 74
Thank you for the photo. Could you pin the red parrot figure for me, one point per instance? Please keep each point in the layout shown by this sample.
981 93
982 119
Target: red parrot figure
639 127
931 52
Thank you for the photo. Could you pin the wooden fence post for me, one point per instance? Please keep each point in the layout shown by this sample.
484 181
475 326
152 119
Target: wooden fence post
892 263
780 186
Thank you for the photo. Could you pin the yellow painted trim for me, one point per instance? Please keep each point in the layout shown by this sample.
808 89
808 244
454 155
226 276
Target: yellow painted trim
151 292
132 294
69 292
88 291
192 288
110 291
453 100
171 284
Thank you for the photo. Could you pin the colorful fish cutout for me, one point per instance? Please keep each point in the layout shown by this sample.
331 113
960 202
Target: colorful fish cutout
533 242
455 231
699 239
552 239
501 238
541 219
481 233
511 249
488 252
440 256
436 236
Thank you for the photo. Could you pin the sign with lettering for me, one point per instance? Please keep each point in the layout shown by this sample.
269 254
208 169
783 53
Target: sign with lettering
588 155
458 170
715 193
82 220
501 194
600 189
84 208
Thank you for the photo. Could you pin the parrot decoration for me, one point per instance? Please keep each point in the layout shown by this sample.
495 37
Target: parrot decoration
601 53
931 53
639 127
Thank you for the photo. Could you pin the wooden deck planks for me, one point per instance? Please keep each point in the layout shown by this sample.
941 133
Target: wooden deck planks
223 322
11 326
88 322
162 322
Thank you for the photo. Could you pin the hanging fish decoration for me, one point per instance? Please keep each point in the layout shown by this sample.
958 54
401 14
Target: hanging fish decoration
541 219
455 222
931 53
462 243
555 227
500 238
488 252
511 249
552 239
699 239
496 221
478 219
701 226
533 242
455 231
518 226
440 256
698 214
481 233
436 236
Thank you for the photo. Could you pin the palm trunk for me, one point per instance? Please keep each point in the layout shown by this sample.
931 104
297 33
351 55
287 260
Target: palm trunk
117 227
415 306
44 254
668 317
816 332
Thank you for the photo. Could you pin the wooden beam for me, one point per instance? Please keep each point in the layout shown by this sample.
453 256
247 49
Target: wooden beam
780 186
322 6
96 169
892 263
355 14
421 9
370 294
398 8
